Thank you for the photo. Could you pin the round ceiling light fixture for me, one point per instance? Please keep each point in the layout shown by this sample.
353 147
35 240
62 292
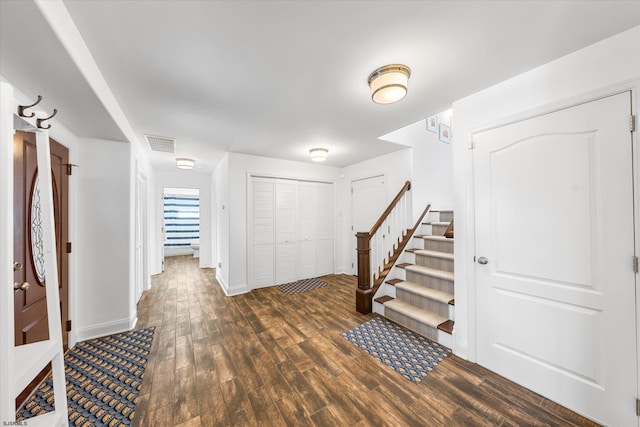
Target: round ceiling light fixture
318 154
389 83
185 163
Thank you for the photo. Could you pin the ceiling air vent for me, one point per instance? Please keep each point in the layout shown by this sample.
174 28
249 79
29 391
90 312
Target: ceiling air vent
161 144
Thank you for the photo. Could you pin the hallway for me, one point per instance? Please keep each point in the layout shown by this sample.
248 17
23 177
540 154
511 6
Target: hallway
267 358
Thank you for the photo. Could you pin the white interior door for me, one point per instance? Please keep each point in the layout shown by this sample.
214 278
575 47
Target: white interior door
262 266
306 231
285 231
324 229
554 220
368 201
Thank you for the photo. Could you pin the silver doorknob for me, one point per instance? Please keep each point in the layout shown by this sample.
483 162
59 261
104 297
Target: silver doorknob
482 260
18 287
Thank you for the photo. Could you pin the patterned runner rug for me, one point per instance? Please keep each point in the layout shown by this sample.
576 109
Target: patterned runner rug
103 381
410 354
302 286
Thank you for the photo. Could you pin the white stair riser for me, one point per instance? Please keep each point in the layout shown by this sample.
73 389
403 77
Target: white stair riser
452 312
409 257
445 339
398 273
378 308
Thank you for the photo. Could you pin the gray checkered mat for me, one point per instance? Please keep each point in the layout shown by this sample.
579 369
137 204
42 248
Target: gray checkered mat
302 286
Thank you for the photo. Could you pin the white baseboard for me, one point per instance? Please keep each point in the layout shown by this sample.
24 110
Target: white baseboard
236 290
107 328
461 349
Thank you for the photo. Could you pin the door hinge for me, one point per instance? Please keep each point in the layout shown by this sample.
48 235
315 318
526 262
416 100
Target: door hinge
638 407
68 325
352 191
472 145
635 264
68 247
632 123
351 265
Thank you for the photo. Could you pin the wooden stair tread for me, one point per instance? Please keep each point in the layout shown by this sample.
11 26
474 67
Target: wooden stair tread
404 265
412 250
383 299
452 302
447 326
438 238
434 254
441 210
433 272
433 294
440 223
393 282
423 316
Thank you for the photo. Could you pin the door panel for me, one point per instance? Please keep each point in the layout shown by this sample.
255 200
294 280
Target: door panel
262 268
368 202
30 306
554 217
285 231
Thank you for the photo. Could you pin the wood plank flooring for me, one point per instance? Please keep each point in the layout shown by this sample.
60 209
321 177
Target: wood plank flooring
270 359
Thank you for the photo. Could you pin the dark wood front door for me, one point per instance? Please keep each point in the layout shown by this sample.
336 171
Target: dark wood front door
30 305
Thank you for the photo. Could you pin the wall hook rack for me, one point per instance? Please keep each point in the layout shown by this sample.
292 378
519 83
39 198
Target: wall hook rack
21 108
39 121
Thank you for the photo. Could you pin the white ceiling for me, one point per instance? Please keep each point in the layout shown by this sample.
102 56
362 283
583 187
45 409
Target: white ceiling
276 78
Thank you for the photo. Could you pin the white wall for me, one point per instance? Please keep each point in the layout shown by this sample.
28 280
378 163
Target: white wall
432 164
103 250
221 182
240 165
182 179
397 169
602 68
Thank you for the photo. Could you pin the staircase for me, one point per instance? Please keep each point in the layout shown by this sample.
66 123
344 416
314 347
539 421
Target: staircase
418 292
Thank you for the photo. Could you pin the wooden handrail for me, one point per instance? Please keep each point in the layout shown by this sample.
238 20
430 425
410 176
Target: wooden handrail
364 295
396 253
406 187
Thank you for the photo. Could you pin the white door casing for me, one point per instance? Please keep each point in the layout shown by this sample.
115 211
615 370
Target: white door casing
368 202
554 218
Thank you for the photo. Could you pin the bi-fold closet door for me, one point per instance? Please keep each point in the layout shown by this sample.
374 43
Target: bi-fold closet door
291 230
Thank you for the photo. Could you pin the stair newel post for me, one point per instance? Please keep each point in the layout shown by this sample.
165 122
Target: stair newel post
363 293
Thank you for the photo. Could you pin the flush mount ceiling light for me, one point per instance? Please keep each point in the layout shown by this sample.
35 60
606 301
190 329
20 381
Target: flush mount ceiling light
318 154
184 163
389 83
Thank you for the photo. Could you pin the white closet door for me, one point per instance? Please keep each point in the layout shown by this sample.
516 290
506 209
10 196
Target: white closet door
306 230
324 229
285 231
262 270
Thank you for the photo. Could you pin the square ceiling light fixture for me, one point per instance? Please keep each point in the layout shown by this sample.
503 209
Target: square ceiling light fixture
318 154
185 163
389 83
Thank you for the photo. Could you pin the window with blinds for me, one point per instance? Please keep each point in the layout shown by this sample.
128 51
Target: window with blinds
181 220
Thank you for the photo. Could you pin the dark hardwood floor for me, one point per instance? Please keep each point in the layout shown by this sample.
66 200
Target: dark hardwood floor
267 358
